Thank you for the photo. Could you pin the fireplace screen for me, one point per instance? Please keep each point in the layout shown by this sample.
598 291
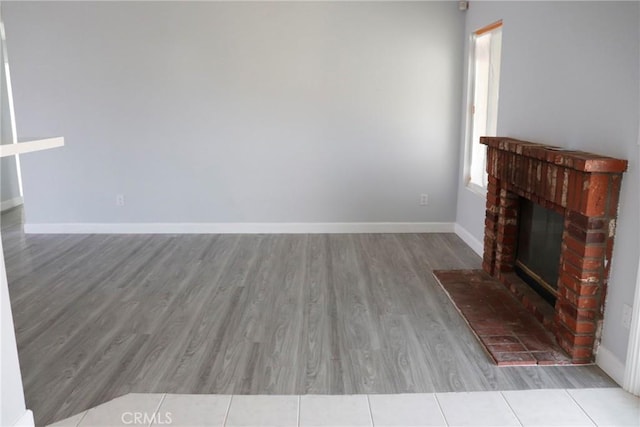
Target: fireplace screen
539 246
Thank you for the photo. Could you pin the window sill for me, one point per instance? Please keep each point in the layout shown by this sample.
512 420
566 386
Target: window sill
477 189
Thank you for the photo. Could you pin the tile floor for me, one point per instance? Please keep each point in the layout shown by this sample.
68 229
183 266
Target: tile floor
510 334
555 407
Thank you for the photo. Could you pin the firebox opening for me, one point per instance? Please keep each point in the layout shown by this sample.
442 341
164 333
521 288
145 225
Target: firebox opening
539 246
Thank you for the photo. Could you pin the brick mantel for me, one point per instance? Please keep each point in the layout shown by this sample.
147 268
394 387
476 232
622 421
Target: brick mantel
584 188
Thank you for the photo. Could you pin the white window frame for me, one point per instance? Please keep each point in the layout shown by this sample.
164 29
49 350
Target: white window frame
475 154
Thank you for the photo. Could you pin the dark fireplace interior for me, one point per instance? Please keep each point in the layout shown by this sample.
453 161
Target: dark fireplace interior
538 250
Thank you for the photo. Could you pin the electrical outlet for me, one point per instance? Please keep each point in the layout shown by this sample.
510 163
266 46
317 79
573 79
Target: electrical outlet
626 316
119 199
424 199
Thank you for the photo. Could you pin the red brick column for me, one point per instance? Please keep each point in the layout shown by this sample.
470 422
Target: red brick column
501 229
507 232
491 225
587 243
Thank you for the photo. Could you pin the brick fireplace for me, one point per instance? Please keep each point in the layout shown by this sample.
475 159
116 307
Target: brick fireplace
583 188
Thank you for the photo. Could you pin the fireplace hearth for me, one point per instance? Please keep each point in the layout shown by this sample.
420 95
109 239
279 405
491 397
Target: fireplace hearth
582 189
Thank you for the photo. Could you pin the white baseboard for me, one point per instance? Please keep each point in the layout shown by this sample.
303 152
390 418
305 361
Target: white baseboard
26 420
11 203
609 363
469 239
240 228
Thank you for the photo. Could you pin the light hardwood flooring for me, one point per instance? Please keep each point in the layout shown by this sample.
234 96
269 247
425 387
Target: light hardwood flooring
99 316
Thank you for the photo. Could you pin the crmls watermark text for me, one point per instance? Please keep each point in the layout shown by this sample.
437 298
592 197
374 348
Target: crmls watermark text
158 418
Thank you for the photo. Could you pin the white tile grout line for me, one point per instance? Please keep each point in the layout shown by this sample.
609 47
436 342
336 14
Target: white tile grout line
512 411
581 408
153 417
370 411
444 417
226 414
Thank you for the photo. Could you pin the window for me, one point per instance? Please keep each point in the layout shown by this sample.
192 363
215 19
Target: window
484 79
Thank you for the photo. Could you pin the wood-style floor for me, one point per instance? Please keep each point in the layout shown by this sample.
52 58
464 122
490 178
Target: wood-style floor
98 316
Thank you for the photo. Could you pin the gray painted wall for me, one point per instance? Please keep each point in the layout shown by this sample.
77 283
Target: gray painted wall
239 112
570 77
9 187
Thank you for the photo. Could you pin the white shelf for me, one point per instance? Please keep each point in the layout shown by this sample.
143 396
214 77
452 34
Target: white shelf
30 145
